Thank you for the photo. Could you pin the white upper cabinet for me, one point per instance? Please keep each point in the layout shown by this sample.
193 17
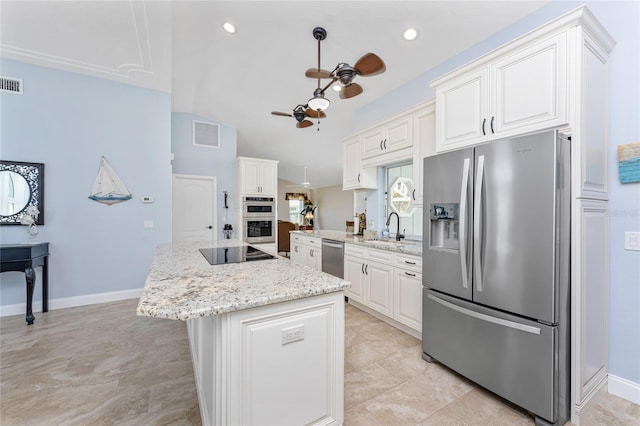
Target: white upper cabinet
257 177
354 176
389 142
424 136
519 92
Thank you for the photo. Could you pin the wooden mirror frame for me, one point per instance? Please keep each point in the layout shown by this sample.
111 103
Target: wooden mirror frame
33 173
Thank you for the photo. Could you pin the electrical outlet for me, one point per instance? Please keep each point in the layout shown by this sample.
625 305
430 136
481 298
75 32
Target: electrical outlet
292 334
632 241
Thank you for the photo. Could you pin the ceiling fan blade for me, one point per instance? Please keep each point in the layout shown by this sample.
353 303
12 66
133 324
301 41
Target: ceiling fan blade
284 114
303 124
354 89
315 114
370 64
316 73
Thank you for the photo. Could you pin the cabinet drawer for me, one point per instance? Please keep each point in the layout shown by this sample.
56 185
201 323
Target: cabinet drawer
312 241
405 261
355 250
380 255
297 238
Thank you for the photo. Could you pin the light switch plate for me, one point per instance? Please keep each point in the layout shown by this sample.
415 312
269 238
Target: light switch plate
632 241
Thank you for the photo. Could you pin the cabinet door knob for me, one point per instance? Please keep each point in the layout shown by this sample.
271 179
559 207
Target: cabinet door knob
492 131
366 269
483 123
380 144
358 177
385 143
411 275
414 195
209 227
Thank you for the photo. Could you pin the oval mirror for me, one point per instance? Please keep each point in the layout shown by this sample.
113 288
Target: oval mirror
15 193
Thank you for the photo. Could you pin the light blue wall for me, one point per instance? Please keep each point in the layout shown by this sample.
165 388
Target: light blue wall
202 161
621 19
68 121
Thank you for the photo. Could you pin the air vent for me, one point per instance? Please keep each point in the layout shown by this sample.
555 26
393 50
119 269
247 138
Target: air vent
206 134
12 85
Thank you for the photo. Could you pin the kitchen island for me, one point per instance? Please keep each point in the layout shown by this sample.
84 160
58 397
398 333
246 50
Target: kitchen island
266 337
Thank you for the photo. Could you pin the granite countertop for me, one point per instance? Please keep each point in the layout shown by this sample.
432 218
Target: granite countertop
182 285
404 246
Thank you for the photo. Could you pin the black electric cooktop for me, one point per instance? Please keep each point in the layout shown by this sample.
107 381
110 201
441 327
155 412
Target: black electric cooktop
237 254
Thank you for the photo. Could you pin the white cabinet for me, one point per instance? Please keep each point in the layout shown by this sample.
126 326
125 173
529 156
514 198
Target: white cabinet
424 144
389 142
306 250
257 177
590 300
372 270
407 291
354 273
386 282
522 91
276 364
354 176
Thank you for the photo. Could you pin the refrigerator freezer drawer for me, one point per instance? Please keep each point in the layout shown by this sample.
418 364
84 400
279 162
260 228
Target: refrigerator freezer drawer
507 355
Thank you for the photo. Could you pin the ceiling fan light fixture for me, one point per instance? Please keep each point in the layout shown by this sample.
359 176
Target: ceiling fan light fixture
410 34
318 102
337 87
229 27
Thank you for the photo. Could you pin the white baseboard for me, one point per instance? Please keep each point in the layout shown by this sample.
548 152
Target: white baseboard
70 302
624 388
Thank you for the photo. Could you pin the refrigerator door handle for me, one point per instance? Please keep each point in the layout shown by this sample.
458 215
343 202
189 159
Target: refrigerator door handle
477 224
462 235
485 317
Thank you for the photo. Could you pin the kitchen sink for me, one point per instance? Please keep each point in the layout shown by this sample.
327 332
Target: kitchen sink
402 245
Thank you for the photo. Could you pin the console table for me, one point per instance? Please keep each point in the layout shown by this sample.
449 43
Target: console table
24 258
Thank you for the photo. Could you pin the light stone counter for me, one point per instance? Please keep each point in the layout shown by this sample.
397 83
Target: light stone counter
405 246
182 285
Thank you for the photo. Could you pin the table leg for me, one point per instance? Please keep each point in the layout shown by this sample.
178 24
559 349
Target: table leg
30 275
45 285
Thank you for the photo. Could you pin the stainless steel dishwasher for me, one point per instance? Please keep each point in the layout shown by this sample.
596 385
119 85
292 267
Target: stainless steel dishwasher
333 257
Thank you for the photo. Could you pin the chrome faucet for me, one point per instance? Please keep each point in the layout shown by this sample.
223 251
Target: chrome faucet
398 234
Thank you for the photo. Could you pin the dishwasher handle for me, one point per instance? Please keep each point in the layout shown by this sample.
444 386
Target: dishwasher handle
329 243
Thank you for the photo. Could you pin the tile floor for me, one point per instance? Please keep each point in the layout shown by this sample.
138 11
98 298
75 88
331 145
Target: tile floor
102 365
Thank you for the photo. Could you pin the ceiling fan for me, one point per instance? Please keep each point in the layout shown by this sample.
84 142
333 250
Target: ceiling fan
300 113
368 65
305 183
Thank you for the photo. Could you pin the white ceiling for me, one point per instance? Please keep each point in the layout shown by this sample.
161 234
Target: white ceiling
237 80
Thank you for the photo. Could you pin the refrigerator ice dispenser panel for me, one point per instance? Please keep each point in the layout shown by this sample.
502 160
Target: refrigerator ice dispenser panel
445 225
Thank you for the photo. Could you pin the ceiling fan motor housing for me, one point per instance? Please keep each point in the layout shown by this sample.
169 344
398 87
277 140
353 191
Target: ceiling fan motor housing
346 73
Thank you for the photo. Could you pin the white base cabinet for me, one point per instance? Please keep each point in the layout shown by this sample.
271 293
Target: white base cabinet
281 364
306 250
386 283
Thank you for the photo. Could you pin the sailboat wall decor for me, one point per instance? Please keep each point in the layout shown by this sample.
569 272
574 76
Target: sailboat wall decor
108 188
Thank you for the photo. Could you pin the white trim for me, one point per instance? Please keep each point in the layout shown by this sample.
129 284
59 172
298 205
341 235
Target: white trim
71 302
624 388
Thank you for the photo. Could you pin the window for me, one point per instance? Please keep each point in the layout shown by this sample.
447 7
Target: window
399 199
295 207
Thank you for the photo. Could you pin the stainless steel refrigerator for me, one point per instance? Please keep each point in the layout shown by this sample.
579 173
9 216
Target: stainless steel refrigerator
496 269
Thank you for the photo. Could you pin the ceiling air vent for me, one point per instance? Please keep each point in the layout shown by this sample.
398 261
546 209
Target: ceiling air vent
13 85
206 134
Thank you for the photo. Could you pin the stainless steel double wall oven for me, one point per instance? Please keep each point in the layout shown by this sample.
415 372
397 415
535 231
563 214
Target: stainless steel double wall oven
258 219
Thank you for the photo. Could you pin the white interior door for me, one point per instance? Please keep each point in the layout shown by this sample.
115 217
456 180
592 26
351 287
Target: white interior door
194 213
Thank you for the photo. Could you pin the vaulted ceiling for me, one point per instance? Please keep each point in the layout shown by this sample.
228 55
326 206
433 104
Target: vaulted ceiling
238 79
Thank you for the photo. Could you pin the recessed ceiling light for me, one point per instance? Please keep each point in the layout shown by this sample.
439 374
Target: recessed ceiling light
228 27
410 34
337 87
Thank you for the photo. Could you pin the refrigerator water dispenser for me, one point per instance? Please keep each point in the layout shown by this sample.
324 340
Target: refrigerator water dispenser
444 226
